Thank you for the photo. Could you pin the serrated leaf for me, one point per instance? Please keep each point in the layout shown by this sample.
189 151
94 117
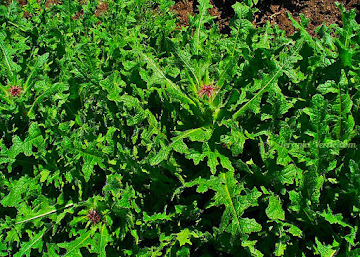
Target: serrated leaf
249 226
333 219
41 60
112 85
73 248
160 156
34 243
251 246
47 90
12 67
295 231
274 210
324 250
17 190
212 161
198 134
101 240
280 248
184 237
228 193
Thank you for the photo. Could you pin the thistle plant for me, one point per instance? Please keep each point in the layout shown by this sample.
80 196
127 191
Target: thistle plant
126 136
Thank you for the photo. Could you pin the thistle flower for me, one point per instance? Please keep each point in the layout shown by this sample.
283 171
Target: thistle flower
15 91
94 216
208 90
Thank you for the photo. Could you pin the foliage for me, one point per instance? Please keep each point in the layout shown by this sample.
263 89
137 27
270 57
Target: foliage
122 134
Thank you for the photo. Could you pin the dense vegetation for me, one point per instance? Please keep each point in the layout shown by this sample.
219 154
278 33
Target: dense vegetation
123 134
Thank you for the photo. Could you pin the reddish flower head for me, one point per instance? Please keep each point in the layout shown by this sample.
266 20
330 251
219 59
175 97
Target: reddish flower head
94 216
208 90
15 91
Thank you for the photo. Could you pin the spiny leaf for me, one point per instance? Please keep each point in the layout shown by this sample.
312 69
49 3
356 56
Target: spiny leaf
251 246
249 226
171 86
274 209
198 134
228 194
184 237
333 219
324 250
38 64
200 20
48 90
73 248
12 67
285 63
101 240
17 190
113 85
35 243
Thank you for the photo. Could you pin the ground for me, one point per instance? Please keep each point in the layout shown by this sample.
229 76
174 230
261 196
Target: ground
274 11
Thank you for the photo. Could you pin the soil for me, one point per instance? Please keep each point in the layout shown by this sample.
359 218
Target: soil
274 11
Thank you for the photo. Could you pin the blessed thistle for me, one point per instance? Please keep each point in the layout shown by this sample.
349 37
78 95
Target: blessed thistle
94 216
208 90
15 91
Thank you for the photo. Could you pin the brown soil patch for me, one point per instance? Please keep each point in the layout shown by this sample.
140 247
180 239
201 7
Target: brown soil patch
49 3
317 11
274 11
101 8
184 9
222 10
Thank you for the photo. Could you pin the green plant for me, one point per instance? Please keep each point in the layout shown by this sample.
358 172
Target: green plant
122 136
